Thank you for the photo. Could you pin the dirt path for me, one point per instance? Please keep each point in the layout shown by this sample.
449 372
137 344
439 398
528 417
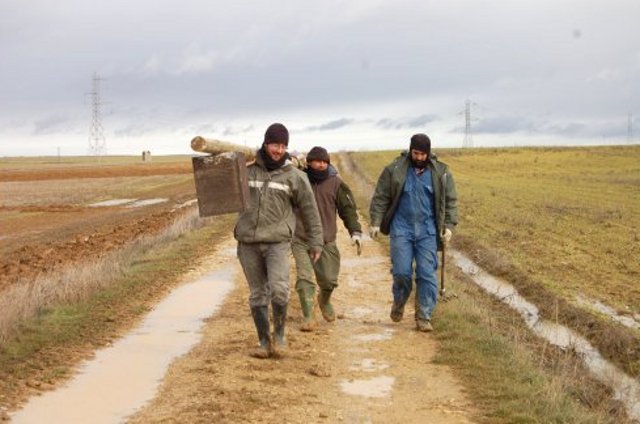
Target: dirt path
362 368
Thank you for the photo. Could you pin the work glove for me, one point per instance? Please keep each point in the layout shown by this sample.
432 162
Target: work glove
373 232
356 239
446 236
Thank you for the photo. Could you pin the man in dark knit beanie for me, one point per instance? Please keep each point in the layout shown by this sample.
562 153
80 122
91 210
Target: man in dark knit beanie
415 202
264 235
334 198
277 133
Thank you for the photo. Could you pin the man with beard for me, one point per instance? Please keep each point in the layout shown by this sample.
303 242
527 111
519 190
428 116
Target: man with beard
415 202
264 232
332 195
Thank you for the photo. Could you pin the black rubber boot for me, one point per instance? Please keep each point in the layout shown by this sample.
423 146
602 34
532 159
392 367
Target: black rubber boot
261 320
306 293
279 318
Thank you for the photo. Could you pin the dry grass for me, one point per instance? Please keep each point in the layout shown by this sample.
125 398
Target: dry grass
80 281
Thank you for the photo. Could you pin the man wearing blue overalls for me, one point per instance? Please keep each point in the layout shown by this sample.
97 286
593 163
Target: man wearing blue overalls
415 202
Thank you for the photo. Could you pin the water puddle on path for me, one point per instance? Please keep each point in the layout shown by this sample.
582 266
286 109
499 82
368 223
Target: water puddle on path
376 387
123 377
626 389
369 365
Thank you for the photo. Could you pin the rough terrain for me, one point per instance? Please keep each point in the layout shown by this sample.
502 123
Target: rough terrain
47 221
361 368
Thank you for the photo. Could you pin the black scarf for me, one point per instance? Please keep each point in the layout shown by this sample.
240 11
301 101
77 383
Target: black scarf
269 163
316 176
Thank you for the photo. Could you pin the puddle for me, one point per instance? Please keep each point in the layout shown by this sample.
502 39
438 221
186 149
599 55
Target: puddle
368 364
625 320
360 312
626 389
112 202
376 387
123 377
146 202
374 337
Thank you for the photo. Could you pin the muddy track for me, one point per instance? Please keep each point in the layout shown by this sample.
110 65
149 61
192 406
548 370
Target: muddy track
361 368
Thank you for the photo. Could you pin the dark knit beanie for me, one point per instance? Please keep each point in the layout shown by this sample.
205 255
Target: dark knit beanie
276 133
421 143
318 153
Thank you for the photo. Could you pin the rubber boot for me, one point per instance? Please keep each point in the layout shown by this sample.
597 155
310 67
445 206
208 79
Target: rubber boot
306 293
261 320
279 319
324 301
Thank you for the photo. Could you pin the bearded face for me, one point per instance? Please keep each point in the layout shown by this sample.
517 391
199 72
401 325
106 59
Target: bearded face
419 159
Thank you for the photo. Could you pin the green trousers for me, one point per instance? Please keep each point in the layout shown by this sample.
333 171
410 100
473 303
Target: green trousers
325 271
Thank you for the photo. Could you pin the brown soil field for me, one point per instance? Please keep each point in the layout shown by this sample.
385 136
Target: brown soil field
42 233
97 171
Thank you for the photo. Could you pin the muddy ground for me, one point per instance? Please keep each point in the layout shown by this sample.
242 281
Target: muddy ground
361 368
40 235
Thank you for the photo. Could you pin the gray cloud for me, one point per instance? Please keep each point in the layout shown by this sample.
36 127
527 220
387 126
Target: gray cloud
331 125
51 125
413 122
221 62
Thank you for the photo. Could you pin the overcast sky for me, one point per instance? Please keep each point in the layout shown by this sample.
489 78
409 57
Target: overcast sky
343 74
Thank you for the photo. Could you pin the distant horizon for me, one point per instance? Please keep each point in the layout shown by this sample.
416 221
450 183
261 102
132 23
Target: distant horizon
343 74
194 153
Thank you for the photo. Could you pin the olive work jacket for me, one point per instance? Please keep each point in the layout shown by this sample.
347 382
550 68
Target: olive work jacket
273 196
389 188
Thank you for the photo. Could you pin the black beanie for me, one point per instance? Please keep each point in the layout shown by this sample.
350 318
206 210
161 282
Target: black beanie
421 143
318 153
276 133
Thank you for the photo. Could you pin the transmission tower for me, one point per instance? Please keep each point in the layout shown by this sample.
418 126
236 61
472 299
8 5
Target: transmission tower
630 128
468 141
97 141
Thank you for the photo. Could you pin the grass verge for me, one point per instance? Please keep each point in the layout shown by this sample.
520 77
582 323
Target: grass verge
46 346
511 375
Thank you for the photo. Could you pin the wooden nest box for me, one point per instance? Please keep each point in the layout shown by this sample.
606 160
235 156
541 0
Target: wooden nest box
221 179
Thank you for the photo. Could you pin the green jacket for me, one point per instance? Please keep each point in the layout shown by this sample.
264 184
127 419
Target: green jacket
272 198
389 188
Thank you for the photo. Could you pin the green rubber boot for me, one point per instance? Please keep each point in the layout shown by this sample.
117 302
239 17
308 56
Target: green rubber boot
324 301
306 293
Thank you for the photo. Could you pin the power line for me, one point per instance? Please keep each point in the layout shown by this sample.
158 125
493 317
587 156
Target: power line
97 140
